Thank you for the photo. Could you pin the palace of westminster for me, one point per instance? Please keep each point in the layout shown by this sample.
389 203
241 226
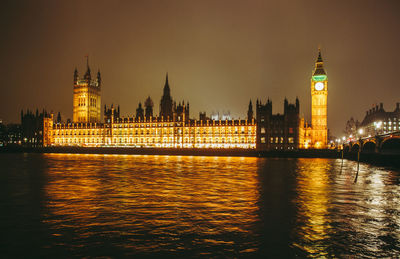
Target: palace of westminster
173 128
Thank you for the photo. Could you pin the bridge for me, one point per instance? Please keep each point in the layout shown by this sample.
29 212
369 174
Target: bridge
383 144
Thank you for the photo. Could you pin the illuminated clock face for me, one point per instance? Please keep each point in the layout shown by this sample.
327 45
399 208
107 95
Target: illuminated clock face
319 86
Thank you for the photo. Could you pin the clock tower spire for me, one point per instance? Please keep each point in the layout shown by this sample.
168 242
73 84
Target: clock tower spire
319 102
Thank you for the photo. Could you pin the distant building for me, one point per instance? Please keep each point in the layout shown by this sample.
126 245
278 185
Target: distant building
203 116
140 112
172 129
32 127
148 104
87 97
378 121
316 134
13 135
250 114
351 127
3 134
108 112
181 112
277 131
166 103
223 116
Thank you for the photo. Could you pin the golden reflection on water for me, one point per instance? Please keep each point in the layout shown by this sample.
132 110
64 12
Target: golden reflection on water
376 217
312 203
339 216
152 200
221 206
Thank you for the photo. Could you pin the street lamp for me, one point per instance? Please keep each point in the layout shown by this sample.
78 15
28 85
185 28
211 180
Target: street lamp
378 125
360 132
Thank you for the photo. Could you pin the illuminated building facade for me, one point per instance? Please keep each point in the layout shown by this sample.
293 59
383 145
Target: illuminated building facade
172 129
132 132
378 121
316 134
87 97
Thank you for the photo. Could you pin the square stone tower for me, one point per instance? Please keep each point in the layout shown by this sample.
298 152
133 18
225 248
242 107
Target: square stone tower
87 97
319 105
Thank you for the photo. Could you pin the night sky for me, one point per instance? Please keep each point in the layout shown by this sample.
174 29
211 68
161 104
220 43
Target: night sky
218 54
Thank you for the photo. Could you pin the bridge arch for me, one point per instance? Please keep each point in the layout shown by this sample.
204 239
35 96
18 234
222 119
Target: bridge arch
355 147
391 144
369 146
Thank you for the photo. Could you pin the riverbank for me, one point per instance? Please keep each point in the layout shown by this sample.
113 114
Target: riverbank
388 160
377 159
175 151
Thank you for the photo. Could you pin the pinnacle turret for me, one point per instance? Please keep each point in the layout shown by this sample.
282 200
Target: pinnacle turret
99 78
319 65
166 86
166 103
250 112
87 74
75 76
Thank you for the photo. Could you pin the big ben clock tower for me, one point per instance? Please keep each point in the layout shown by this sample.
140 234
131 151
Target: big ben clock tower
319 101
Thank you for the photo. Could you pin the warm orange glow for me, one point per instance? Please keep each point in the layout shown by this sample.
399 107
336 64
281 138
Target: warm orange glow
316 134
313 179
158 134
74 191
87 98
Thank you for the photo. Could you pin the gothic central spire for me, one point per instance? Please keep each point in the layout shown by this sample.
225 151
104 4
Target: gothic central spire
166 87
166 102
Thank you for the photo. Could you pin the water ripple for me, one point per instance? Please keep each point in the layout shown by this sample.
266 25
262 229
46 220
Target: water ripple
124 205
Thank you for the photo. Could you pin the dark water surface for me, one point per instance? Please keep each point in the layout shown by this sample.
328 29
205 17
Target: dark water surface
69 205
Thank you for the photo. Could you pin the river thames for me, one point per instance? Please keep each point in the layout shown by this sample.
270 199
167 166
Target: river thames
70 205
